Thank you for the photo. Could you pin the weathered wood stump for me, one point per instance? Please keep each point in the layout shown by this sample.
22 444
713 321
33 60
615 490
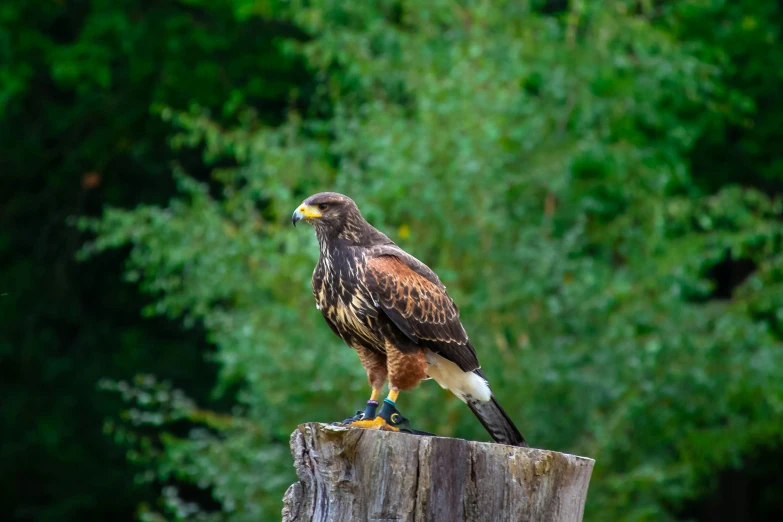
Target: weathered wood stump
360 475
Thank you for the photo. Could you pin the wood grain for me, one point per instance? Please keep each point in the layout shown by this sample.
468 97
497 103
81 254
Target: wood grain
362 475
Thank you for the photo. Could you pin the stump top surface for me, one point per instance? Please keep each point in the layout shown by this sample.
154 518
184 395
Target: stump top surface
323 427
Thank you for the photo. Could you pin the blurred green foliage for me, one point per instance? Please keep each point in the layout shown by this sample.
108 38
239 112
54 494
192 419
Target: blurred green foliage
597 183
81 84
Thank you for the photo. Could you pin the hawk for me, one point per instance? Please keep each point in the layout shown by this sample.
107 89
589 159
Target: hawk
394 311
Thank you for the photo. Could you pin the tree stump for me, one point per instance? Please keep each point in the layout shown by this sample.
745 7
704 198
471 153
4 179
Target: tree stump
350 474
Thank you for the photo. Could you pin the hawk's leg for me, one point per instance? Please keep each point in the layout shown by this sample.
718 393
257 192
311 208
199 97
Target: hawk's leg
369 411
374 363
405 371
388 418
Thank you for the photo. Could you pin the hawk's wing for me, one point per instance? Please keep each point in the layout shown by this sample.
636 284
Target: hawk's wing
417 303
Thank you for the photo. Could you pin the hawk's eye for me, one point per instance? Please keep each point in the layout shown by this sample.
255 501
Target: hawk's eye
323 206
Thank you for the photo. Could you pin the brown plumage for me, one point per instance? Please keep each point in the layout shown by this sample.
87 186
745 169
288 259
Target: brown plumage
394 311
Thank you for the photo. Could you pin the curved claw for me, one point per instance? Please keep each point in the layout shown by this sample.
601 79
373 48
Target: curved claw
378 423
396 420
367 414
388 419
359 416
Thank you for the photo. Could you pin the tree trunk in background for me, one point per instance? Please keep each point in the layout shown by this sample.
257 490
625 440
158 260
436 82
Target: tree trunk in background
362 475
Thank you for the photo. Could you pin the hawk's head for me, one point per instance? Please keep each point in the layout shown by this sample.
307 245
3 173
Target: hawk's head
329 212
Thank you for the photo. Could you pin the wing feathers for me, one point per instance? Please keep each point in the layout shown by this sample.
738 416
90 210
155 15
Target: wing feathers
420 308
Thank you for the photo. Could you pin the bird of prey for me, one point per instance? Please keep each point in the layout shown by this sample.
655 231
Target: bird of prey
394 311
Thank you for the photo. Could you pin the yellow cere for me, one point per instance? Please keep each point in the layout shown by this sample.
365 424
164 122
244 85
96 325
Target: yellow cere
309 211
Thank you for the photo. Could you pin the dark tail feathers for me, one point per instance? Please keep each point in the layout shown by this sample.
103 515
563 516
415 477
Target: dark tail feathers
496 422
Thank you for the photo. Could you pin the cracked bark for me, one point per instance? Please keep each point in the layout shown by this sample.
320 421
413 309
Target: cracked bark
359 475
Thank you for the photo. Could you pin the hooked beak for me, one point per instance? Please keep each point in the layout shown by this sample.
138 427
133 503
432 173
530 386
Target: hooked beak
305 212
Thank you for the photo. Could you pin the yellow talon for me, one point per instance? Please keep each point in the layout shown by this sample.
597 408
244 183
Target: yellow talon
376 424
